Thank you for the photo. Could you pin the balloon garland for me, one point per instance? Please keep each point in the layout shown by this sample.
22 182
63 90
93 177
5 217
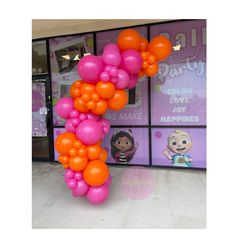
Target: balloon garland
102 86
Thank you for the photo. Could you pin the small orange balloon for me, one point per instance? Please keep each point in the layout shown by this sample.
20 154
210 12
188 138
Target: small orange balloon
72 152
160 47
91 105
141 73
103 156
85 97
74 92
105 90
143 44
64 142
87 88
151 70
96 173
66 166
77 144
95 97
93 152
145 55
151 59
77 83
78 163
63 159
101 107
82 151
80 105
145 64
118 101
129 39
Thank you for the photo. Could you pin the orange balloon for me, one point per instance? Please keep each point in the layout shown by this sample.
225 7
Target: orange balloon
151 70
96 173
80 105
77 83
72 152
151 59
74 92
93 152
95 97
118 101
66 166
145 65
160 47
105 90
85 97
64 142
77 144
103 156
101 107
143 44
145 55
63 159
129 39
82 151
141 73
91 105
78 163
87 88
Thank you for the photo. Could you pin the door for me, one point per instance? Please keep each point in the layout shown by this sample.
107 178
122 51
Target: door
40 120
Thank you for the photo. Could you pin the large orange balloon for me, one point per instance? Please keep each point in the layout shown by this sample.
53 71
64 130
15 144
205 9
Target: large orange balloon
96 173
151 70
129 39
78 163
160 47
105 90
80 105
94 151
101 107
118 101
64 142
143 44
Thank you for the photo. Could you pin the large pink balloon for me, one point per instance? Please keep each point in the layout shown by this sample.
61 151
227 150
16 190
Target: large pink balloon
111 57
89 68
81 189
122 79
131 61
89 132
64 107
133 81
97 195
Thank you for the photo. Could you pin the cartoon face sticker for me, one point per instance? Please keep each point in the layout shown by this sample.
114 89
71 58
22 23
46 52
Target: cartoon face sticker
179 142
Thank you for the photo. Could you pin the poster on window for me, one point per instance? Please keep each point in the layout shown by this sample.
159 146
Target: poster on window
124 145
179 147
39 110
136 112
65 53
178 92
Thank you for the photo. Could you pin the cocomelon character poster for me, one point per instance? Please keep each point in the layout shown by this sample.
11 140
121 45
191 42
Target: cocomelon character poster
179 147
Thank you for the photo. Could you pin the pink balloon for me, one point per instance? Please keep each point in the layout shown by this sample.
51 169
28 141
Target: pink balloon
105 124
131 61
69 126
89 132
82 117
81 188
97 195
75 121
122 79
92 116
89 68
111 47
107 68
71 183
74 113
104 76
114 72
78 176
111 58
133 81
64 107
68 174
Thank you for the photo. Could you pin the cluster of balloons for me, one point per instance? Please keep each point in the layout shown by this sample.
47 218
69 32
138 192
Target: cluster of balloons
102 86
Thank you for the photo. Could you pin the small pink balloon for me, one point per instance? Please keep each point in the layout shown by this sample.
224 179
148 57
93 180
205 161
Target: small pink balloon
78 176
97 195
105 124
133 81
71 184
111 47
74 113
64 106
89 132
82 117
111 57
114 72
81 188
92 116
114 80
69 174
89 68
69 126
131 61
75 121
107 68
122 79
104 76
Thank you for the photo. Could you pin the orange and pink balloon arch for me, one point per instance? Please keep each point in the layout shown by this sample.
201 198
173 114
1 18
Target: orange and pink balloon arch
102 84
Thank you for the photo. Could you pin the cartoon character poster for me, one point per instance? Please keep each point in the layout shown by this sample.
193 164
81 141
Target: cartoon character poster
179 147
127 146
